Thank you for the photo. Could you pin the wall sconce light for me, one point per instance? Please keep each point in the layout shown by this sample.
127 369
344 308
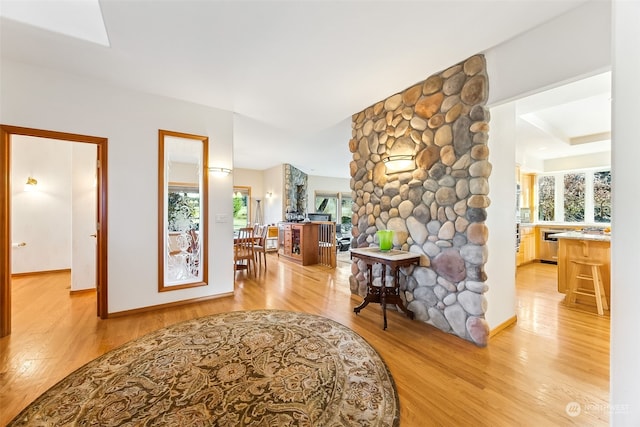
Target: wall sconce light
268 195
31 184
220 171
400 163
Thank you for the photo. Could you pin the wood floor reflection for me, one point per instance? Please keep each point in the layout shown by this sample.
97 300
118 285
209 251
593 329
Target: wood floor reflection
527 375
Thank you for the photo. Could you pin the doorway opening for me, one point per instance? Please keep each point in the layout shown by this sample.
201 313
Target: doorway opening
6 134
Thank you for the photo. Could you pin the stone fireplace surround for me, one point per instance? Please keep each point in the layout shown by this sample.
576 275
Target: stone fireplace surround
437 210
295 188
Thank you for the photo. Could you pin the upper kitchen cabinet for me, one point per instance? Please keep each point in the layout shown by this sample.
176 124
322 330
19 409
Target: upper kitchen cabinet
527 183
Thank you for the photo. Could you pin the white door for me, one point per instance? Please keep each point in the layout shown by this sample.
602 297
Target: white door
84 193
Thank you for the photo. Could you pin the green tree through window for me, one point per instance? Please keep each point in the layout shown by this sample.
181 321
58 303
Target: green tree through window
546 198
574 197
602 196
241 209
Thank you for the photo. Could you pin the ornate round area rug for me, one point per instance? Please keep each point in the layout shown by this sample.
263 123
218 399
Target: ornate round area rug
247 368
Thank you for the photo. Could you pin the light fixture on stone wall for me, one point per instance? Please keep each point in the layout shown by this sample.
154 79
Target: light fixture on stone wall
220 171
400 163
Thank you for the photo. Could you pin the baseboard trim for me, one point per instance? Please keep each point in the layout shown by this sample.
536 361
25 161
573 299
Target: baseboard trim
167 305
504 325
82 291
38 273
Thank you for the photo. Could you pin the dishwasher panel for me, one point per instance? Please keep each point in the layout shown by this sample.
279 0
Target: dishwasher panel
549 245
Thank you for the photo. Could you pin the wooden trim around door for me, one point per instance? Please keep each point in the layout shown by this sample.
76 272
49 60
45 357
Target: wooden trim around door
5 233
5 216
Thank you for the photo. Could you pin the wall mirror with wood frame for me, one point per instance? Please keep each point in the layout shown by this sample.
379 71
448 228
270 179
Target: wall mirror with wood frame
182 215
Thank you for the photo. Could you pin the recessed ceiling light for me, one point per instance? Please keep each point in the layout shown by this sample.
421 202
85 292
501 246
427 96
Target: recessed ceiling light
81 19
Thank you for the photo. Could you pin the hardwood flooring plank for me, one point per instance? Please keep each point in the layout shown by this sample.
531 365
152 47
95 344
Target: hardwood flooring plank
527 375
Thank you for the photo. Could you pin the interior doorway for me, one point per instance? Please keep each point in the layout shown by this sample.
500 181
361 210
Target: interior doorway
6 134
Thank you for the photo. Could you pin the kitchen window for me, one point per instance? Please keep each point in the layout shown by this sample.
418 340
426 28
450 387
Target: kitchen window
575 196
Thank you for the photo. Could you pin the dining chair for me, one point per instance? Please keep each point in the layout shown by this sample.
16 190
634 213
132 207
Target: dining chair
260 247
243 250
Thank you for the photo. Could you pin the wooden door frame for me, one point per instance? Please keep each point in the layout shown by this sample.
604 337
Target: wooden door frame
6 132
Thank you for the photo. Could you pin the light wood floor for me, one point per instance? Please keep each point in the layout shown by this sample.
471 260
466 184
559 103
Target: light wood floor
526 376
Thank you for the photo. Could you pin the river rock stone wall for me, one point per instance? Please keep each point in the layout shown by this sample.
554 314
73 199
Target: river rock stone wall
438 209
295 188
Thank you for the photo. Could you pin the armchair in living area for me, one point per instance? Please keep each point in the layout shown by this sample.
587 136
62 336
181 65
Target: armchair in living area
243 250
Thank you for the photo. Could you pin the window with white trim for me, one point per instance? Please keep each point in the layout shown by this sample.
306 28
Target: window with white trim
582 196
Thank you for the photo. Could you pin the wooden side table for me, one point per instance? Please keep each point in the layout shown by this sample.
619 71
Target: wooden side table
383 294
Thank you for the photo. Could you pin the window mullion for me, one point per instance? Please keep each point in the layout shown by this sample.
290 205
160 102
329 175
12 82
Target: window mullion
559 197
588 194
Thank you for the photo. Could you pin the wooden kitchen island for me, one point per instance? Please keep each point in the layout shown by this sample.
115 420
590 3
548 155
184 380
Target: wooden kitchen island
576 245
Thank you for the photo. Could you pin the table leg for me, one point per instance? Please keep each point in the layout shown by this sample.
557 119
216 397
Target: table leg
399 302
383 295
370 292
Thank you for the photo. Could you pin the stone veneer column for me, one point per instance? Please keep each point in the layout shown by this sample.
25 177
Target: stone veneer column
437 210
295 200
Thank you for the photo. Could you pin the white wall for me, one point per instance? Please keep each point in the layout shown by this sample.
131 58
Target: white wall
184 173
529 164
274 184
501 214
45 99
576 44
625 243
41 218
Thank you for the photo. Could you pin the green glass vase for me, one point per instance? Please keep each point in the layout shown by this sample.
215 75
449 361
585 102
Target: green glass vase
385 239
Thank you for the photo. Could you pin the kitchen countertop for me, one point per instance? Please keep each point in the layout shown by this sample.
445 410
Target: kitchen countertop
578 235
563 224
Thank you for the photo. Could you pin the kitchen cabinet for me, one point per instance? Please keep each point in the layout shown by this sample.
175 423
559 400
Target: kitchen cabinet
527 250
529 244
299 242
527 183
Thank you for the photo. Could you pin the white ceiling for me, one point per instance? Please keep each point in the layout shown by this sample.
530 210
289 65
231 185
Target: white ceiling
570 120
293 71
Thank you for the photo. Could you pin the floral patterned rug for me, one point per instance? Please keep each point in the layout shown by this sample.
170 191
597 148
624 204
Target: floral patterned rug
246 368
